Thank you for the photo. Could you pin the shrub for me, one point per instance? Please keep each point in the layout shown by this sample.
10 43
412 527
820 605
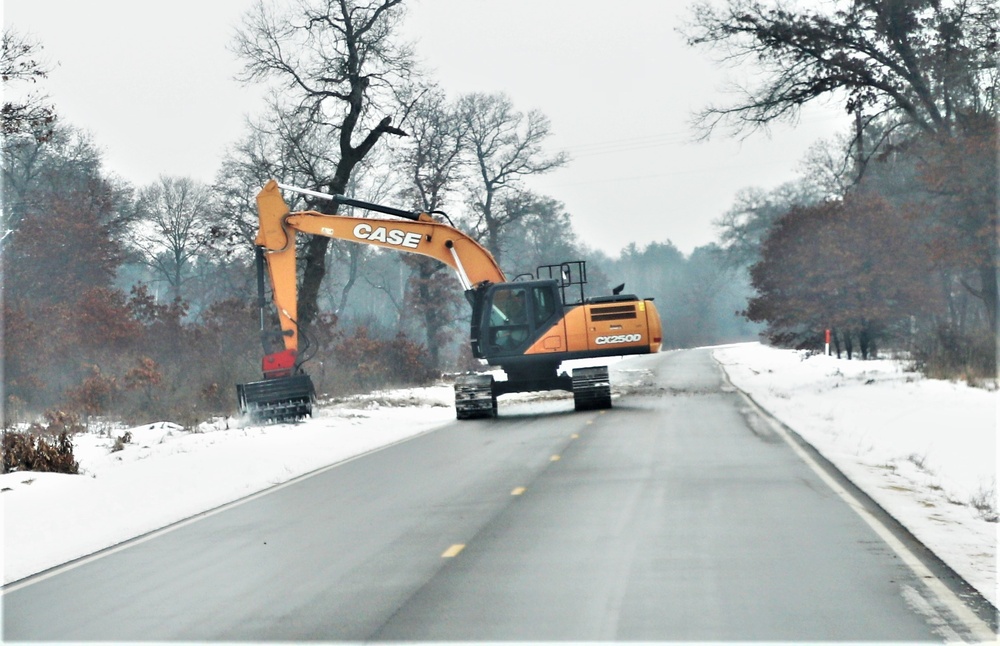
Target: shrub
365 362
45 448
121 441
95 394
145 376
984 501
948 354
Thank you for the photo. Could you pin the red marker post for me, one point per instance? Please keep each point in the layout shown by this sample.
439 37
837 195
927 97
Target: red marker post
828 343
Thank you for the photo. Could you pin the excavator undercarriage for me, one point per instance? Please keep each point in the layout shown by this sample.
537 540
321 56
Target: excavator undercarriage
476 394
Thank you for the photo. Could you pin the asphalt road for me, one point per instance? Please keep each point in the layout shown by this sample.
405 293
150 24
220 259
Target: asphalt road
677 515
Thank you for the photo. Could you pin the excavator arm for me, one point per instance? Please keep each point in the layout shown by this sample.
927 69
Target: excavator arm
417 233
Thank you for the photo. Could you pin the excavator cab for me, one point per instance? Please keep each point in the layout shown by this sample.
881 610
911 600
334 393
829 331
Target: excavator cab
510 318
518 313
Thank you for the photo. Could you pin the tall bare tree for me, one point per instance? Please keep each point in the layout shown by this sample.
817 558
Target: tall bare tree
336 65
505 147
173 227
431 163
926 63
431 158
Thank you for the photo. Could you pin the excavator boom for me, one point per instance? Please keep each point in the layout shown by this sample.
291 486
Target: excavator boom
419 234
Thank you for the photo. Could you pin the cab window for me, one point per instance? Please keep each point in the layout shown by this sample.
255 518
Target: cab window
544 305
509 318
509 307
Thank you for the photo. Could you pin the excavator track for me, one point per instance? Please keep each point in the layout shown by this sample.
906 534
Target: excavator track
591 388
475 397
284 399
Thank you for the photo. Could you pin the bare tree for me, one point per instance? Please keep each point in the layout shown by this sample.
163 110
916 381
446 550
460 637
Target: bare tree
336 65
924 62
20 63
173 227
431 163
280 144
505 147
544 233
431 158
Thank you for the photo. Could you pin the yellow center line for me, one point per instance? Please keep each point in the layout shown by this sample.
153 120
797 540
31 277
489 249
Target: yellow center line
554 458
574 436
453 551
517 491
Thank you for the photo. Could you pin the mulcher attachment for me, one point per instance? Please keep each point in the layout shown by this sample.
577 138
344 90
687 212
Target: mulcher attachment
280 399
475 397
591 388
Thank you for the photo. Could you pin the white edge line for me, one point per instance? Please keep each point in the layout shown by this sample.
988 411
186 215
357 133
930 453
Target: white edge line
56 570
978 629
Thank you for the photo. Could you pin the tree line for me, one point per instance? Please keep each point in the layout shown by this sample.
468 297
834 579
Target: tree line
890 241
140 301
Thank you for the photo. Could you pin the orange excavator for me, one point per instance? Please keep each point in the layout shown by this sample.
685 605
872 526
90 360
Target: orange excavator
528 327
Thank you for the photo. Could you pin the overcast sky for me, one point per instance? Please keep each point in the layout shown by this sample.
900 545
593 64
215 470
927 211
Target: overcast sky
153 83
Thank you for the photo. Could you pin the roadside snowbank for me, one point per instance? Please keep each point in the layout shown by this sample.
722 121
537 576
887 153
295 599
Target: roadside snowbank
166 474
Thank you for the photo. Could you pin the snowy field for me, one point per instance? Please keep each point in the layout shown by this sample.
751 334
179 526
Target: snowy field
925 450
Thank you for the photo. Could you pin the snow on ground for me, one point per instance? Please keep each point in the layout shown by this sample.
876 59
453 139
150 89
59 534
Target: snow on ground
924 449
